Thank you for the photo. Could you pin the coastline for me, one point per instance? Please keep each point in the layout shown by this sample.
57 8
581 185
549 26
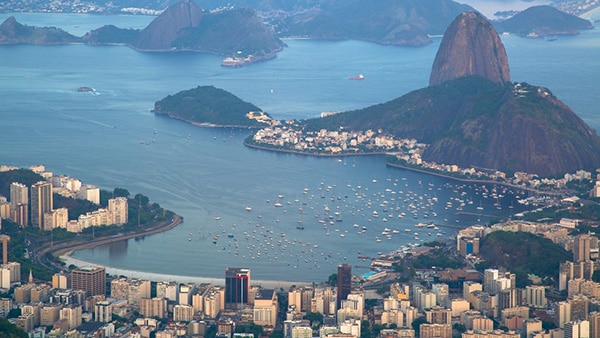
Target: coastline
203 124
159 277
468 180
298 152
400 166
64 252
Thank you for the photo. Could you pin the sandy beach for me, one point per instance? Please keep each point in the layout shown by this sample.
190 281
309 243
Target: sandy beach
157 277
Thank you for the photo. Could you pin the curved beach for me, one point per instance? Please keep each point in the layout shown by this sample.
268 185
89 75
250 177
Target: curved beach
158 277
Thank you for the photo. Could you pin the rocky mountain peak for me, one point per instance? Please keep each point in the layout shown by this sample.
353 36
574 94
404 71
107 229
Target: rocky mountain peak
163 30
471 46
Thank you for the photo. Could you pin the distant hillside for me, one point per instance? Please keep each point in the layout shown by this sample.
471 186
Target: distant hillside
208 105
185 26
393 22
540 21
228 32
111 34
12 32
523 253
472 121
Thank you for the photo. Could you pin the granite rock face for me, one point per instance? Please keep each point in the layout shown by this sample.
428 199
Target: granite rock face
164 30
471 46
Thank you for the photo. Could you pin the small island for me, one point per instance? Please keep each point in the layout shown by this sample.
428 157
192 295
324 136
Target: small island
543 21
209 106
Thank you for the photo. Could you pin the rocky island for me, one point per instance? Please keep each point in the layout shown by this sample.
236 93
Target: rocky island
210 106
542 21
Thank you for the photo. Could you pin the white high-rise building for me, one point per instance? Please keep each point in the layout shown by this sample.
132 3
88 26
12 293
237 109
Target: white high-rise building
167 290
489 277
41 202
535 296
103 311
118 209
19 200
72 313
89 192
577 329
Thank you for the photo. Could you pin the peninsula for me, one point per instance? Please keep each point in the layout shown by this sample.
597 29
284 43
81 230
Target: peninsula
471 117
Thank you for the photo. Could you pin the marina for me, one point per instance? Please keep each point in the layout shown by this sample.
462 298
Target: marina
291 230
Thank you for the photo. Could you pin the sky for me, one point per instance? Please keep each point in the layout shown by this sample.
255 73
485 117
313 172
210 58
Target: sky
489 7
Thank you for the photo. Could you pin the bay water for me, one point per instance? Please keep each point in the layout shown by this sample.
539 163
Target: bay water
332 210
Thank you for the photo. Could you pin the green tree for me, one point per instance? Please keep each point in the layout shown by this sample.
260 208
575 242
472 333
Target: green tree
332 280
365 329
315 318
416 325
120 192
8 330
277 334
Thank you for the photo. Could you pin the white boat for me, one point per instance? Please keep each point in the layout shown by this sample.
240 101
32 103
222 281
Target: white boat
248 208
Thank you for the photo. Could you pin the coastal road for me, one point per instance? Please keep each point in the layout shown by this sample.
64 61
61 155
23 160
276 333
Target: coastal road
60 248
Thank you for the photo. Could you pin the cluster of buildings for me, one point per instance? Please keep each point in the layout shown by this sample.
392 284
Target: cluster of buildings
577 7
58 6
86 302
577 316
340 142
324 141
34 205
72 6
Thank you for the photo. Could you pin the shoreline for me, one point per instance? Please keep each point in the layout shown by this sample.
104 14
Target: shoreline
159 277
203 124
400 166
64 252
298 152
468 180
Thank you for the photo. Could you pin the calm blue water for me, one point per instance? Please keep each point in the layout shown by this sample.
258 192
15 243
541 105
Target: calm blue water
205 174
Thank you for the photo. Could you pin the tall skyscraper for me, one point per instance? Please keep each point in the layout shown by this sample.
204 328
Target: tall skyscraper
237 286
118 208
41 202
344 283
19 200
594 319
90 279
577 329
581 248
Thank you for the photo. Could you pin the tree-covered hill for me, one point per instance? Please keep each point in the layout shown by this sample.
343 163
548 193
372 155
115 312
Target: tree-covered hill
209 105
540 21
12 32
523 253
23 176
472 121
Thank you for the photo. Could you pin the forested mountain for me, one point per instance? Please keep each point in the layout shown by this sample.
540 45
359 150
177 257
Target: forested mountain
207 105
540 21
